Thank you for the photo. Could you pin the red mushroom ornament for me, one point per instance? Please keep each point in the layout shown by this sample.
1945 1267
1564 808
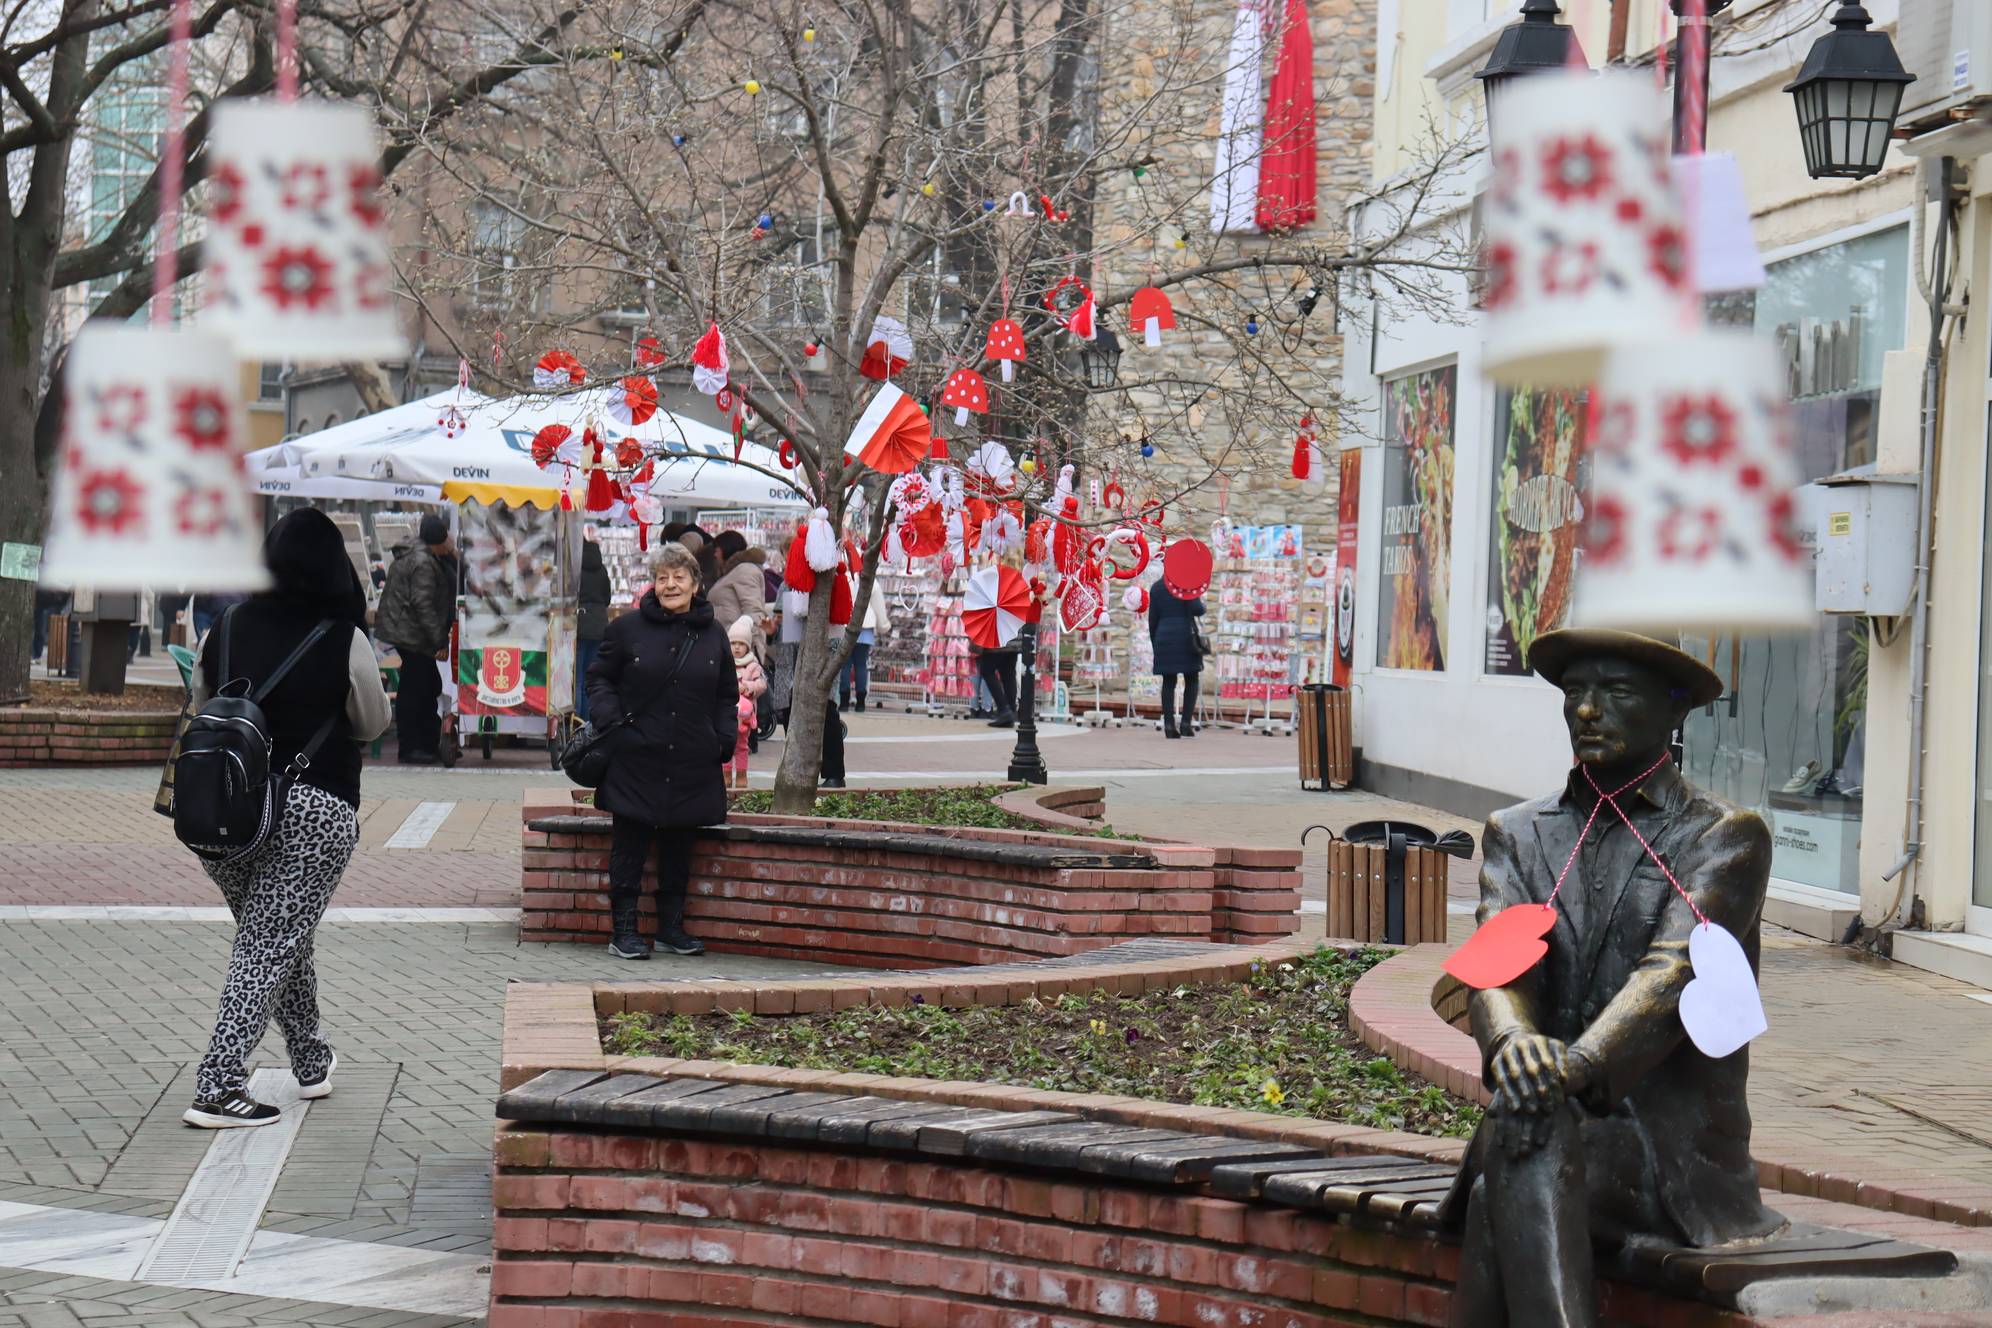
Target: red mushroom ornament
966 392
1151 311
1006 346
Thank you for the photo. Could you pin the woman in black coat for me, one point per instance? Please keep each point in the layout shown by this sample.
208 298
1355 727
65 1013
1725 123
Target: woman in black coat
670 665
1172 635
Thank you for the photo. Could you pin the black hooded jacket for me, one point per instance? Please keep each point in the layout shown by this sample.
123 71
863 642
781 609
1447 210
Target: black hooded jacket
665 767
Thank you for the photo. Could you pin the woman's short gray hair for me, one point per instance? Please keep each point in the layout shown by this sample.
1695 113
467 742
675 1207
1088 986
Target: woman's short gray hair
674 554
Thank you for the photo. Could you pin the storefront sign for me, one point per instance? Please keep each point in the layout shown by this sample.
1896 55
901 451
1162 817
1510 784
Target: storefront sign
1414 589
1348 503
1541 479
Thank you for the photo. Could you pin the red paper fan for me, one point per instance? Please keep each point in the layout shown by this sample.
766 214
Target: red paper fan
634 401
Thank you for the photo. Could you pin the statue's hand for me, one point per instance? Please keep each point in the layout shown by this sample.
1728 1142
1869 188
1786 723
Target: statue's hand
1530 1075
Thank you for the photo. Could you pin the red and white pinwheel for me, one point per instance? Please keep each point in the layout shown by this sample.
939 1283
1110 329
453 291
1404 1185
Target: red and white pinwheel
995 606
966 392
888 350
559 368
634 400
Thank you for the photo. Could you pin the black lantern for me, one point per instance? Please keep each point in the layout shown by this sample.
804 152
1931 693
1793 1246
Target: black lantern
1536 44
1101 359
1848 93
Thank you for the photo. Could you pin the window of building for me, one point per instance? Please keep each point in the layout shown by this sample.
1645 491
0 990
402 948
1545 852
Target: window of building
1790 738
270 381
496 235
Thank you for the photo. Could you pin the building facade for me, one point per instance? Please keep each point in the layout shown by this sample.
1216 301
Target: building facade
1472 499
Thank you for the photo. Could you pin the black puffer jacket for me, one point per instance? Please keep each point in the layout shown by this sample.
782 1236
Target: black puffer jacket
665 768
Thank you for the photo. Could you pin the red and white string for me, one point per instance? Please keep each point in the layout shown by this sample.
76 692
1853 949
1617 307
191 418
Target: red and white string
1585 833
1658 861
172 164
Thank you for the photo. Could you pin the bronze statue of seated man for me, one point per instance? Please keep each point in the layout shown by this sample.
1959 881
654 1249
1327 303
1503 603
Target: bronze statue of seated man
1607 1125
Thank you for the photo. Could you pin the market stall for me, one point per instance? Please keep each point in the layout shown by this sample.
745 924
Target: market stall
517 522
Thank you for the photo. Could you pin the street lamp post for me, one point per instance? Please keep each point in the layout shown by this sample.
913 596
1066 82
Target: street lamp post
1026 761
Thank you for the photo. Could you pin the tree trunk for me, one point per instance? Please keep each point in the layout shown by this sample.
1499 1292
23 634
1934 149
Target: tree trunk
20 520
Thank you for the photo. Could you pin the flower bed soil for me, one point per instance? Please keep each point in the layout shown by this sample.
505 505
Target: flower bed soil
1280 1041
136 697
971 805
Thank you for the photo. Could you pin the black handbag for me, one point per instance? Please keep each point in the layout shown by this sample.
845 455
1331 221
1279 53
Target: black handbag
1198 641
585 758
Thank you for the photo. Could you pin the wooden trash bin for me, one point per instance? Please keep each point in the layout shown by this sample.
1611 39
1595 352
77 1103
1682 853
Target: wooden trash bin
1359 894
1327 747
58 645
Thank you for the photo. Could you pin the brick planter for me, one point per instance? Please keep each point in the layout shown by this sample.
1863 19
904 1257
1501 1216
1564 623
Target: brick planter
44 735
882 895
636 1190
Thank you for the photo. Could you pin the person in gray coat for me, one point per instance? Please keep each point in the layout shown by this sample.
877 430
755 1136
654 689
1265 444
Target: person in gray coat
416 609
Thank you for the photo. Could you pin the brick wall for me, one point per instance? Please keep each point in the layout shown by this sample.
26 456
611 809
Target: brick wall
598 1229
33 736
876 901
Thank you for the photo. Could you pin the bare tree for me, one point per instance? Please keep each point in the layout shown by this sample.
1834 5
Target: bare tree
65 63
794 178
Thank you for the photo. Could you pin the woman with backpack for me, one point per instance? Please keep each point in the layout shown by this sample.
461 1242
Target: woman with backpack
299 651
665 674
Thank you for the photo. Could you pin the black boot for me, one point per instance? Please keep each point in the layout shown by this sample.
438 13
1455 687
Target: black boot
1189 729
861 703
625 941
1169 728
671 933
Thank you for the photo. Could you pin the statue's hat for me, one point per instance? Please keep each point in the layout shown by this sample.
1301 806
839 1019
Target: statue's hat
1553 652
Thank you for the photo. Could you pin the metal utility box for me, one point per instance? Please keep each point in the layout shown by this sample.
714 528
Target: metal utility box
1867 544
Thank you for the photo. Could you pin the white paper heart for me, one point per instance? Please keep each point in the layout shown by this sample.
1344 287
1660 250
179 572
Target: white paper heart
1721 1007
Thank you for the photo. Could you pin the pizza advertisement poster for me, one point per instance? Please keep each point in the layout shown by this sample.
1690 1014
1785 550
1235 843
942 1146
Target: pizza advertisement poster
1542 479
1414 579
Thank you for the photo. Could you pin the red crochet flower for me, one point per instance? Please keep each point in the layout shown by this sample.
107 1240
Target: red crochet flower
1499 288
306 185
297 277
1577 169
200 418
110 503
1784 537
1690 534
1667 256
120 408
201 511
1604 531
363 193
1698 430
225 194
1570 269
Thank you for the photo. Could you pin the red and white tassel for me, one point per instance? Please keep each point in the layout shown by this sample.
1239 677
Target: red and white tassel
820 543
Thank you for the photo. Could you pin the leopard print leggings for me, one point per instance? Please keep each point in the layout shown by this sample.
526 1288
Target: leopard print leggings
278 897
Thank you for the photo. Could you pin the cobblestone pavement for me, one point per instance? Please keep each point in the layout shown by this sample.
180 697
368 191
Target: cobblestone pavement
100 1021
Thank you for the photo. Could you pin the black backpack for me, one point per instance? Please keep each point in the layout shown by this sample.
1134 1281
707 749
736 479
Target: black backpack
226 800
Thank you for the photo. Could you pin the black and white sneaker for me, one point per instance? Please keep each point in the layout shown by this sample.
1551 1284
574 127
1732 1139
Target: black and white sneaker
312 1089
679 941
233 1112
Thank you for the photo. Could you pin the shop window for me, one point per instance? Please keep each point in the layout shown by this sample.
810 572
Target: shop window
1790 737
1415 554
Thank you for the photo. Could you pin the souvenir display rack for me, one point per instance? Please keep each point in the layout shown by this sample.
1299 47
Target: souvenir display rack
899 650
1256 602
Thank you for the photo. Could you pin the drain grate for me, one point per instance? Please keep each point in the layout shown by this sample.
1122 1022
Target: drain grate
211 1227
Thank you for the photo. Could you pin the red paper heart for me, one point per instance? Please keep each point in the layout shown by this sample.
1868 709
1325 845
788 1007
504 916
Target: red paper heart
1506 946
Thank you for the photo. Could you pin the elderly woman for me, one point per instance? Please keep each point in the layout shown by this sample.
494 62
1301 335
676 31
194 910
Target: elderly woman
668 670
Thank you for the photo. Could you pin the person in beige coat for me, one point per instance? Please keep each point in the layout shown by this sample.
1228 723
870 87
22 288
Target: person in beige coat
737 592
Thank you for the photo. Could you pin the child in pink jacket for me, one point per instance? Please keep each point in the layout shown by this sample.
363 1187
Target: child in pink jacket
753 682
